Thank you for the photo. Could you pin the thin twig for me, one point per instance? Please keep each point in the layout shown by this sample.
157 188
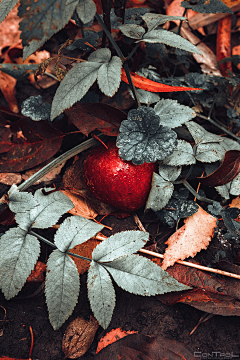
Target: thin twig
219 126
139 223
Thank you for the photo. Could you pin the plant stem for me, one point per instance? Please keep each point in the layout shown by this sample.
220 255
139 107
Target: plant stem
120 54
133 51
191 189
54 246
219 126
67 155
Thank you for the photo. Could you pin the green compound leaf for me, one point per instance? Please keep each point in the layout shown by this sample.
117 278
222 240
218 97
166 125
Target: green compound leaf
109 76
207 7
62 287
86 10
171 39
154 20
41 20
120 244
5 7
74 231
141 276
74 86
101 293
143 139
19 252
48 211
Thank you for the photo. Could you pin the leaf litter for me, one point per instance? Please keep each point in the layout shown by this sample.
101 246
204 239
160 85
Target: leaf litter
170 170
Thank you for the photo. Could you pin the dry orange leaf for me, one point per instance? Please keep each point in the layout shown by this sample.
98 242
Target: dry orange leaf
86 250
82 207
224 43
192 237
112 336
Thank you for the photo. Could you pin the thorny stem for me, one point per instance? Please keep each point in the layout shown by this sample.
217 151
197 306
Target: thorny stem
54 246
120 54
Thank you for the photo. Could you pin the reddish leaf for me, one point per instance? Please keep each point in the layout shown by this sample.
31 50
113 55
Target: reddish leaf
84 249
10 178
203 280
226 172
190 238
144 347
149 85
224 43
37 275
82 206
113 336
205 301
7 217
96 116
39 142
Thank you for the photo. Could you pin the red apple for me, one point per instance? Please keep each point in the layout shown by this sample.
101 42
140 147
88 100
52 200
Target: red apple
117 182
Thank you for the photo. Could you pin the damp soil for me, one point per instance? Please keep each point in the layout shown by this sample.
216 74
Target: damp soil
146 315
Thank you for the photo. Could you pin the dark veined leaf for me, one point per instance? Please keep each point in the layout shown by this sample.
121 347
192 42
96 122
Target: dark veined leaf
98 116
138 346
229 217
177 208
47 18
34 108
204 6
226 172
143 139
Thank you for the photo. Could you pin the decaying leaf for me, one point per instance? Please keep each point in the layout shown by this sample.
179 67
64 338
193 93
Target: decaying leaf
112 336
190 238
79 336
138 346
82 207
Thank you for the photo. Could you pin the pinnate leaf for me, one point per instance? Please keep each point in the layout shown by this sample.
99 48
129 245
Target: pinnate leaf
5 7
120 244
50 208
171 39
143 139
20 201
19 252
133 31
109 76
160 193
154 20
101 293
172 113
74 231
86 10
141 276
62 287
47 18
190 238
74 86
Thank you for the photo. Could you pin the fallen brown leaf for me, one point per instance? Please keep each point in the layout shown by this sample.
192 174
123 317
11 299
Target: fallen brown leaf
187 241
79 336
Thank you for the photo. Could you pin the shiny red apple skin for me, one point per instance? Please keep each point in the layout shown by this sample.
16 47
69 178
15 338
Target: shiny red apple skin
117 182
